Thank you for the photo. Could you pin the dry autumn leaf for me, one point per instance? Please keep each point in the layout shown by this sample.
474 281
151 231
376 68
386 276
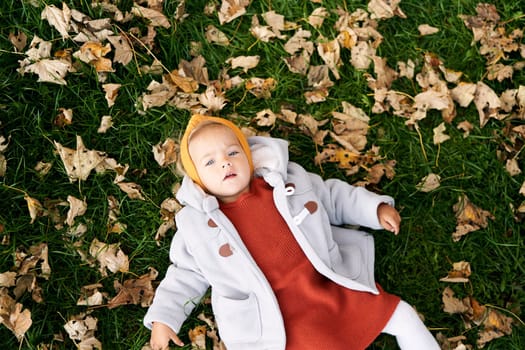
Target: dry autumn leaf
109 256
13 316
469 217
231 9
156 18
77 207
80 162
134 291
105 124
166 153
132 189
429 183
91 296
425 29
460 273
81 329
58 18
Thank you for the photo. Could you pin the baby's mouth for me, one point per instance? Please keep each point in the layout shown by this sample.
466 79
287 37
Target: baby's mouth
229 176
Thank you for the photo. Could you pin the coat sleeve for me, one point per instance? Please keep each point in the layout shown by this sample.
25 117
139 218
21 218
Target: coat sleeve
347 204
180 290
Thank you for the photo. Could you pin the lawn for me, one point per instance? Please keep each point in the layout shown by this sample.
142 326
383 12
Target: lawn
354 83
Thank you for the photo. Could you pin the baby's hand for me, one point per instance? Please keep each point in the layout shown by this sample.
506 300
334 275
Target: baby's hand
161 335
388 217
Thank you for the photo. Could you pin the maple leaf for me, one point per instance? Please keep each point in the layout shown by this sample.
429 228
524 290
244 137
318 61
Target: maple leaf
460 273
487 103
495 325
439 134
77 207
317 17
245 62
80 162
469 217
214 35
18 40
111 91
91 296
133 190
231 9
13 316
93 53
49 70
58 18
134 291
429 183
81 328
7 279
425 29
166 153
105 124
35 208
123 50
212 99
299 42
109 256
261 88
156 18
330 53
260 32
64 117
382 9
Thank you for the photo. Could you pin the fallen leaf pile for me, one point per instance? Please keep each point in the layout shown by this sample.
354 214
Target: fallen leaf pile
107 44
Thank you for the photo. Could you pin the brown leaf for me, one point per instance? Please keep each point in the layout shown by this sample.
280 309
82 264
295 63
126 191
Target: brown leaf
80 162
469 217
244 62
123 50
439 134
166 154
81 329
135 291
383 9
109 256
12 316
495 325
58 18
91 296
18 40
111 91
133 190
425 29
49 70
460 273
35 208
261 88
429 183
317 17
487 103
453 305
231 9
77 207
214 35
156 18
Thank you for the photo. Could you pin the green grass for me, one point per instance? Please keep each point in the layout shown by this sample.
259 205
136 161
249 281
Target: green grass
409 265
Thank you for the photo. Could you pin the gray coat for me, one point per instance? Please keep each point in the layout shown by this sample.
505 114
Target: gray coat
207 250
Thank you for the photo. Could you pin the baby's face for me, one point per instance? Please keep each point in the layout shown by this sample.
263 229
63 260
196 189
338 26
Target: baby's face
220 161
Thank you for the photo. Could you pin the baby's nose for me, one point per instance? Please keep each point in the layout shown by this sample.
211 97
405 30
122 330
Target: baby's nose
226 164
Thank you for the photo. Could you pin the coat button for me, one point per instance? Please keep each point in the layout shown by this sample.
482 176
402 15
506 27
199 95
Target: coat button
225 250
212 223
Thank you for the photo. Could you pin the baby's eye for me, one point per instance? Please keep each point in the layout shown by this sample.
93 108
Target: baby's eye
209 162
233 153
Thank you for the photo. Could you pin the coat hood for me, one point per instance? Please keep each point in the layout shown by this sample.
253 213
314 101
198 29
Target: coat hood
270 160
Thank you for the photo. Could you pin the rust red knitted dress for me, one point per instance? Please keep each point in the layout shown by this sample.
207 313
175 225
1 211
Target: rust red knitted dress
318 313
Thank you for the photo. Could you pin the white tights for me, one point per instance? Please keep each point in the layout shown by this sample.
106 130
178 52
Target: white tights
409 330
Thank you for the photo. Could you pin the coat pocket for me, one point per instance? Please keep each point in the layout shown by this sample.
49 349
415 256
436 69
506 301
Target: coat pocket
238 320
